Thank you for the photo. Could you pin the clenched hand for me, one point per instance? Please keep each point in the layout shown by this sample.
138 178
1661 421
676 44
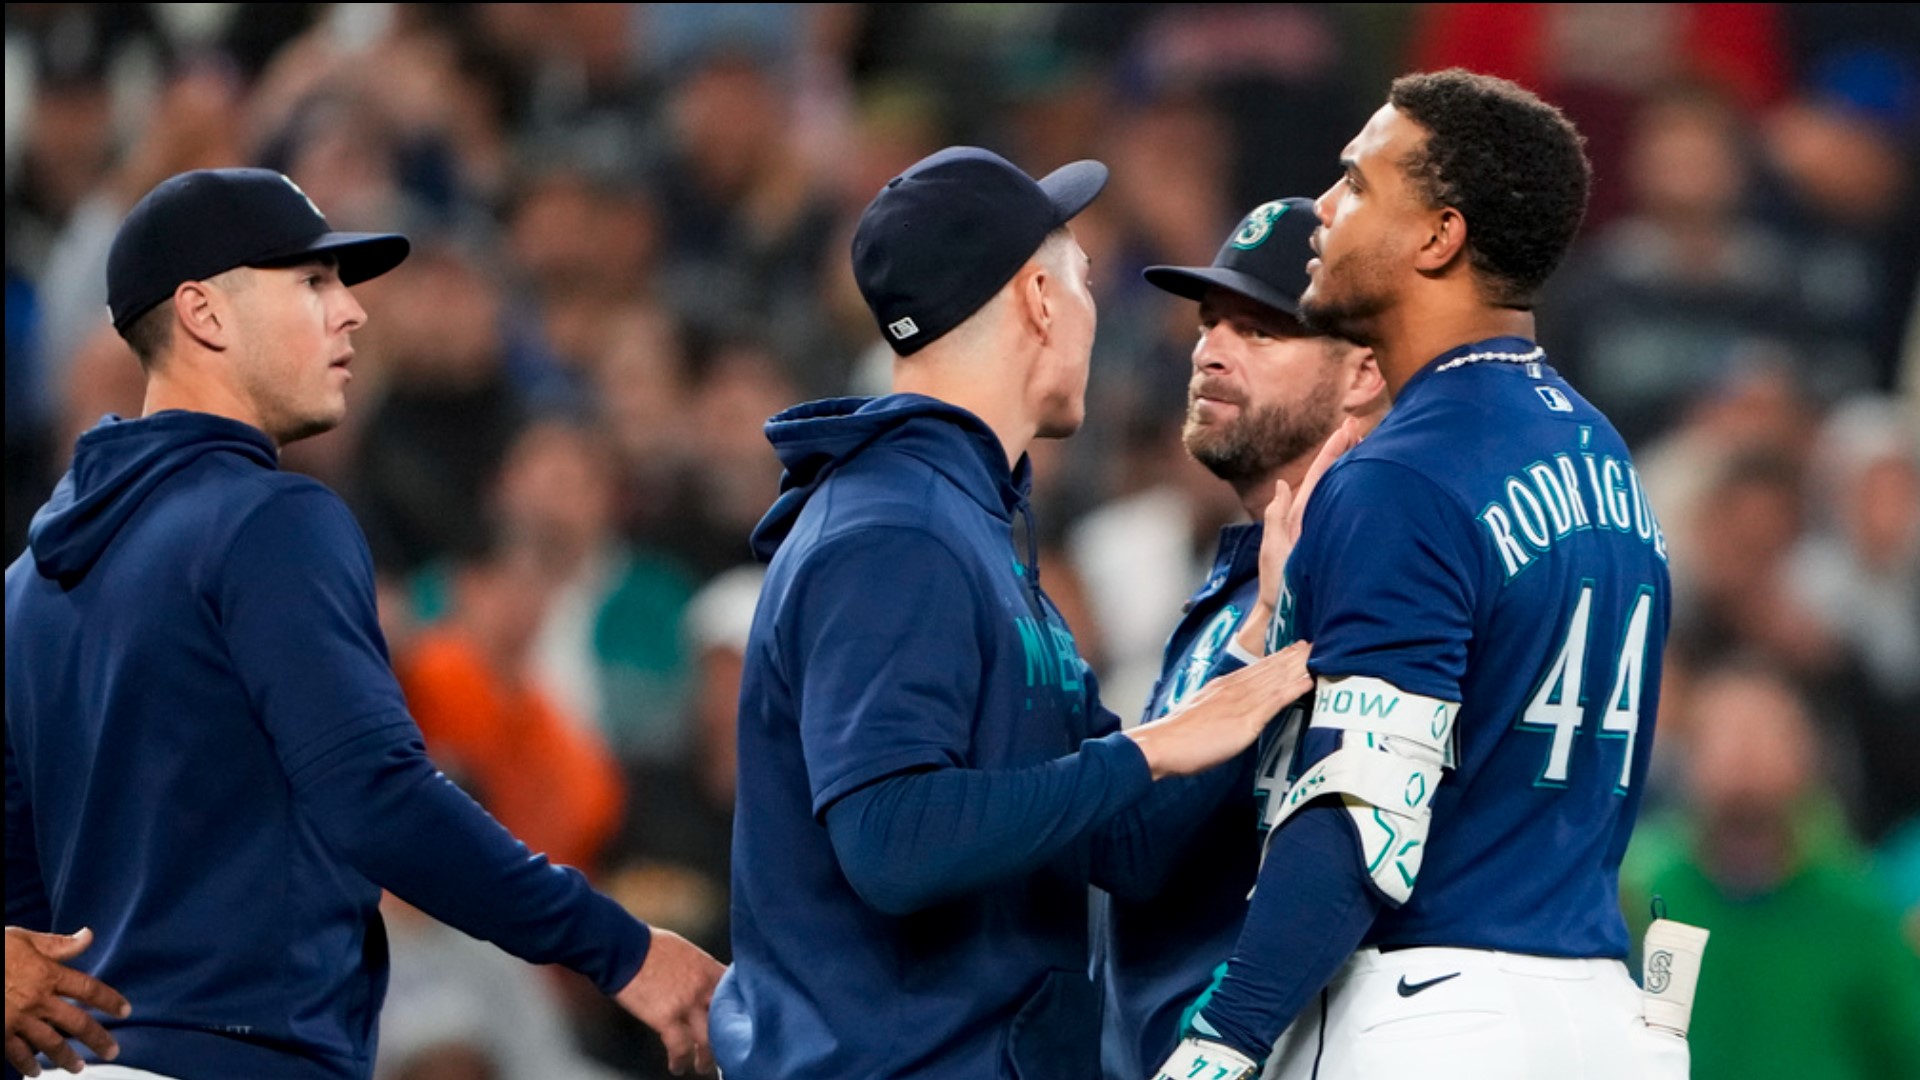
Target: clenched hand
670 994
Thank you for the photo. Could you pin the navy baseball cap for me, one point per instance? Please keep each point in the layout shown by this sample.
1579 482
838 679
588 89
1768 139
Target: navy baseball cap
1265 259
206 222
942 238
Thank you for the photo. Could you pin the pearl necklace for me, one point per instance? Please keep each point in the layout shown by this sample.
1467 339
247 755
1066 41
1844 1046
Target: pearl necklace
1535 356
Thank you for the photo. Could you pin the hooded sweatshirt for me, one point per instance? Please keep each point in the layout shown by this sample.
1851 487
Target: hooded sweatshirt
927 780
208 762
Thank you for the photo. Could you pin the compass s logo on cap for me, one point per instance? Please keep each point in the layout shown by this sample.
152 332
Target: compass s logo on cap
1258 225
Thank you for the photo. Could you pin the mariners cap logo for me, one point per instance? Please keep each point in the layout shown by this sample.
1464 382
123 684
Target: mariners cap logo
1259 225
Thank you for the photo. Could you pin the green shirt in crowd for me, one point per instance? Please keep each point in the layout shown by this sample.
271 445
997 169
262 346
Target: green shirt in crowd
1810 981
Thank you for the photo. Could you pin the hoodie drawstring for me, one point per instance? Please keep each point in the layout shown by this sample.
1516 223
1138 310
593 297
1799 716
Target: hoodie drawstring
1033 544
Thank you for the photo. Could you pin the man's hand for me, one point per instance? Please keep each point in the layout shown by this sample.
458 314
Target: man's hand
1286 515
39 1019
1226 716
670 995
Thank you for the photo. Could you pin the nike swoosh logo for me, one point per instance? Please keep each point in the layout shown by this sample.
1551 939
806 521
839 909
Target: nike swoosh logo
1408 989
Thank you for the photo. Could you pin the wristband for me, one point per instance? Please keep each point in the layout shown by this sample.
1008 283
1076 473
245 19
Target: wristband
1197 1059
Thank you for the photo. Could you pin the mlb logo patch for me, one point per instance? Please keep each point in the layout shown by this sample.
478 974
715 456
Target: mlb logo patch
902 329
1555 400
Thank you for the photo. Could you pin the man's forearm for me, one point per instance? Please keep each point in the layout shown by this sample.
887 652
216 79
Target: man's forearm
910 841
409 829
1312 907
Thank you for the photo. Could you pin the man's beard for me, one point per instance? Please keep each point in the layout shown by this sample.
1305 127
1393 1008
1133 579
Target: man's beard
1256 442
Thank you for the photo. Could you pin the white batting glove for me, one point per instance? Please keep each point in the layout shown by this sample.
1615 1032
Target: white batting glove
1197 1059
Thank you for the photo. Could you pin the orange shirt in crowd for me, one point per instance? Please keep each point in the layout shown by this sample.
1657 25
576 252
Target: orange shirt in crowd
551 782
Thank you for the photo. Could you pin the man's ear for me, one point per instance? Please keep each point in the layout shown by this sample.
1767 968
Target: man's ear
203 313
1366 384
1446 242
1033 291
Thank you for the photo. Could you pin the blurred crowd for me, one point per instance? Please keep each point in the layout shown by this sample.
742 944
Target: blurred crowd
631 226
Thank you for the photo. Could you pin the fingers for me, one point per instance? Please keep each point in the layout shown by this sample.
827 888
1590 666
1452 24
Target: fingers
699 1026
702 1044
681 1049
1280 505
88 990
41 1036
1296 655
1291 668
74 1021
1284 677
20 1056
688 1043
1343 439
61 946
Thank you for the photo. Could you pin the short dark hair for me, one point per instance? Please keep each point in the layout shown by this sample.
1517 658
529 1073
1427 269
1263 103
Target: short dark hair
1513 165
151 334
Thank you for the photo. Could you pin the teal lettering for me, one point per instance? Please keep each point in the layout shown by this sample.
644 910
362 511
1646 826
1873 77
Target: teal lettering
1377 704
1068 658
1039 665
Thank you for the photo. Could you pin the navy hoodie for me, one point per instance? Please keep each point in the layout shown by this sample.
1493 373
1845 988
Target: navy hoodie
209 762
927 781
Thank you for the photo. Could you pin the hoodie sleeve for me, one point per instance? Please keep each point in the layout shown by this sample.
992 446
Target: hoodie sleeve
295 598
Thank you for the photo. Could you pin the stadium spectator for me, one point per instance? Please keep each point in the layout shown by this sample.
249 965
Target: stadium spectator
434 440
1806 974
1687 291
609 650
1857 573
549 779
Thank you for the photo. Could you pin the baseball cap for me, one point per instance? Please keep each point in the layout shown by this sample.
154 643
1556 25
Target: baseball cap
201 223
1265 259
941 238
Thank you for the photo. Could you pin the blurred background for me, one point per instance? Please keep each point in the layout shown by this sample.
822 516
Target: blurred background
631 226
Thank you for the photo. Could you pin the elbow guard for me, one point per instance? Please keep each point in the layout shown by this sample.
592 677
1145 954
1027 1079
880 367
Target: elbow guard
1393 748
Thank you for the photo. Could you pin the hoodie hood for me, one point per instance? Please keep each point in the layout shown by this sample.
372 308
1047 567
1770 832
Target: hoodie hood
116 466
814 439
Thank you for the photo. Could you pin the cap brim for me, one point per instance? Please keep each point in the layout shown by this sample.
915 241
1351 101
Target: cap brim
1071 187
361 256
1193 282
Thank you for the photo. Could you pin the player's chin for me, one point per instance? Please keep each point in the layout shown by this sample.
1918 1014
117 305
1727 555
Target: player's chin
317 422
1062 423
